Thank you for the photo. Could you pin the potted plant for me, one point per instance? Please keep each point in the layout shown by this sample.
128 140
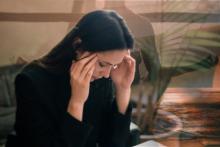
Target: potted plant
160 57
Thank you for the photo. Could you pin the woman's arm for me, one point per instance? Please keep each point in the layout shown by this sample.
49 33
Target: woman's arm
117 117
115 128
80 73
34 126
123 99
123 77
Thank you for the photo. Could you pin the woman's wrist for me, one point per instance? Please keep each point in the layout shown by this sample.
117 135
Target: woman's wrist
122 99
76 109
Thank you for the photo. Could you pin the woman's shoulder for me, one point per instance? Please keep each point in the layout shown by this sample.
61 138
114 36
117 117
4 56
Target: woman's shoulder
36 75
33 69
35 80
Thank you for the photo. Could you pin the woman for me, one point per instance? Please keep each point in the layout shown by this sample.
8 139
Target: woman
67 99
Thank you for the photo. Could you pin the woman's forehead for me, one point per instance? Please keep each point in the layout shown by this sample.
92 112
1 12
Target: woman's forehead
113 57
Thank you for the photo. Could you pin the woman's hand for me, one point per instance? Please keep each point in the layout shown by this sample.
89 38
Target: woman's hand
81 73
123 77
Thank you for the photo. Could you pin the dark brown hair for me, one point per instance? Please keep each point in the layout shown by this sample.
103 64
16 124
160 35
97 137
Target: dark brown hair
98 31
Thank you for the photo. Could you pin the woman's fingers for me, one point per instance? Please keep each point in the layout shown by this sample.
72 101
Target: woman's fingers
79 65
88 67
129 52
89 73
131 62
84 61
85 54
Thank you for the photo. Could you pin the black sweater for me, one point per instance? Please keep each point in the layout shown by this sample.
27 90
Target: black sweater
42 119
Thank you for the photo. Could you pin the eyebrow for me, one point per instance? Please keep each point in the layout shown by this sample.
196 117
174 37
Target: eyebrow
109 63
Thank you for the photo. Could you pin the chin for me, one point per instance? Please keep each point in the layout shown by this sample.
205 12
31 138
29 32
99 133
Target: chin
94 78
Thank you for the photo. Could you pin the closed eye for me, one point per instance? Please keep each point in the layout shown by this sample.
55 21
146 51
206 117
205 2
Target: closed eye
101 64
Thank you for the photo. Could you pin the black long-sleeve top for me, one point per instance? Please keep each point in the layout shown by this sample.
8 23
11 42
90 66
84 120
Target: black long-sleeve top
42 119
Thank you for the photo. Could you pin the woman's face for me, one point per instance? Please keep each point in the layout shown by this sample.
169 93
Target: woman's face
106 62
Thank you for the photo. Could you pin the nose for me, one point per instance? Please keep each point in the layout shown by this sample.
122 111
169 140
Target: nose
106 72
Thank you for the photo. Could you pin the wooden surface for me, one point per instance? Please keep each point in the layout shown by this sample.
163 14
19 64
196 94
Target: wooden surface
205 102
199 110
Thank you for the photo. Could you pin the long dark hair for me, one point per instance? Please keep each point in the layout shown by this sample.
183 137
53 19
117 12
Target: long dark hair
98 31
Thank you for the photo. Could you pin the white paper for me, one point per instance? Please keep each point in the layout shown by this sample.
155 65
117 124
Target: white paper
150 143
